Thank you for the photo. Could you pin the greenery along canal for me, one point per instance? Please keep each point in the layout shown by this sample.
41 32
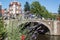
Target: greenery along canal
2 30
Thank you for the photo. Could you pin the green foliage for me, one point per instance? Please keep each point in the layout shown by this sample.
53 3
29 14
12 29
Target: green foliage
24 31
2 30
38 9
15 33
27 7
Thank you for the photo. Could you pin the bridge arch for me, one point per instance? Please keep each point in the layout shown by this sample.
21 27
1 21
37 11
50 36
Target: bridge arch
47 26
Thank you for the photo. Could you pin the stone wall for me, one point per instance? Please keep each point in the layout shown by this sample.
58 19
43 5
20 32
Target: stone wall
58 28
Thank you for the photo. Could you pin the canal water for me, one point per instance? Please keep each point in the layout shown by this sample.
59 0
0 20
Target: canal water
47 37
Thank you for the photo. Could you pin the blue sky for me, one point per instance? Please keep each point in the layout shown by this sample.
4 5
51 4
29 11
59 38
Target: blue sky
51 5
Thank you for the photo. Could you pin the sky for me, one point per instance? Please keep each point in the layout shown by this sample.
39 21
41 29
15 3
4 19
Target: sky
51 5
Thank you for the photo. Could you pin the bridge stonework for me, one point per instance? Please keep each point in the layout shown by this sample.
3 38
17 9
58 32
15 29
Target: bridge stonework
57 29
53 26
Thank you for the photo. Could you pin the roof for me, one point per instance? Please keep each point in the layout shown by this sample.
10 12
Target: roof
16 3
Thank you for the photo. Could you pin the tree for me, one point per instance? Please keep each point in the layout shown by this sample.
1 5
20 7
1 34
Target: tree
59 13
37 9
26 7
59 10
45 12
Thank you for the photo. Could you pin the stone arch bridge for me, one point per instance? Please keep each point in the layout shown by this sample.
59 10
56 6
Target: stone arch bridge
53 26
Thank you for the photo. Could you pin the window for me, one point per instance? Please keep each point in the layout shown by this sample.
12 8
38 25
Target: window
17 11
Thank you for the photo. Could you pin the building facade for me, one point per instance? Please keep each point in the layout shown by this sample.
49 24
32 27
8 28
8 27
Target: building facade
14 9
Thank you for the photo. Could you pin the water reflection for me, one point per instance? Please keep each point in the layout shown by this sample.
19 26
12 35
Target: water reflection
47 37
